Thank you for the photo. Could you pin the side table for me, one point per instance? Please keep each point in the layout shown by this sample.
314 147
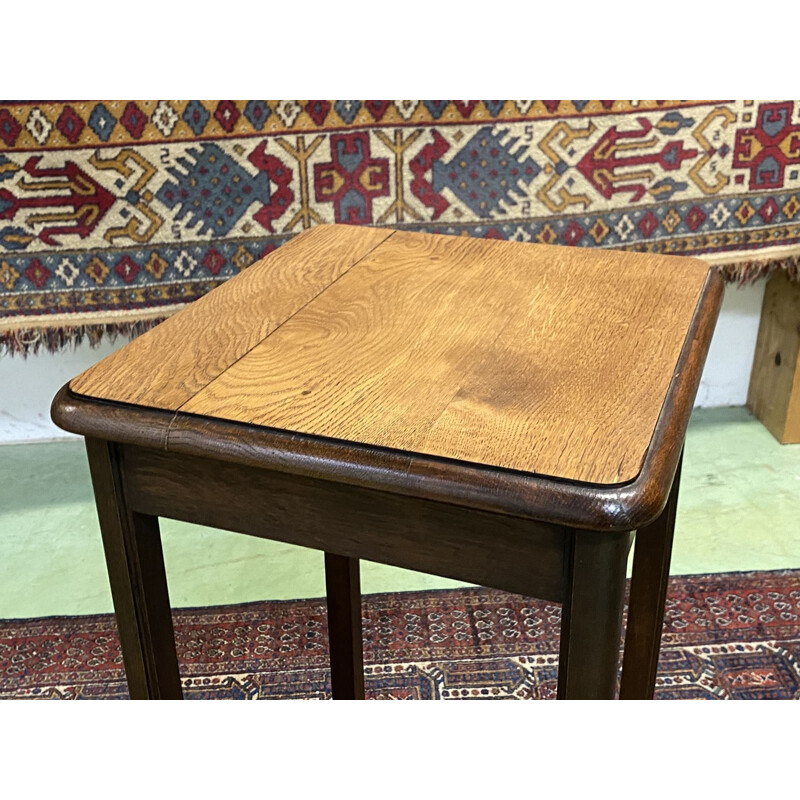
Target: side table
500 413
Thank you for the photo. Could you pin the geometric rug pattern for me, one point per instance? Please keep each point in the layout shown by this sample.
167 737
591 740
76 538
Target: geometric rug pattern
733 636
114 214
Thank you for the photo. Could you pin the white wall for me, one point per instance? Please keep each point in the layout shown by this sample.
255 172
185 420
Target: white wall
730 358
28 385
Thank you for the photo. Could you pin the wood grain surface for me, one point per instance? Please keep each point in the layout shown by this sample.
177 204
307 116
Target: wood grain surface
494 550
166 366
774 393
548 360
618 507
407 399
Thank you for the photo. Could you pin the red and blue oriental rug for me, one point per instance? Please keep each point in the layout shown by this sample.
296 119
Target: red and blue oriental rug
726 637
114 214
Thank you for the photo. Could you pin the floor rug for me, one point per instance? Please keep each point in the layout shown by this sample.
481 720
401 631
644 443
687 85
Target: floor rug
726 636
116 213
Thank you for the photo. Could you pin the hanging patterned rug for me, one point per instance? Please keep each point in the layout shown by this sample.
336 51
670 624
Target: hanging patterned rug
726 636
114 214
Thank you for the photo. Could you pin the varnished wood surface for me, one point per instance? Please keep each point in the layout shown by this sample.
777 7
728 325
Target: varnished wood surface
648 594
345 637
431 378
548 360
618 507
502 552
591 617
135 562
774 393
584 571
167 365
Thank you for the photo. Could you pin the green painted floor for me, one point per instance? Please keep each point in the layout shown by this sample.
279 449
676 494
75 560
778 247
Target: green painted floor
739 509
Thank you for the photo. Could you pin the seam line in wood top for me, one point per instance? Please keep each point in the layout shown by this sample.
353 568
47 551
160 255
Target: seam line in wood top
455 461
553 500
256 344
491 469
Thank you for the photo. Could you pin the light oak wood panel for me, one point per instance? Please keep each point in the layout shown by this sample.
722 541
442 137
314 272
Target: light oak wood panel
164 367
367 377
548 360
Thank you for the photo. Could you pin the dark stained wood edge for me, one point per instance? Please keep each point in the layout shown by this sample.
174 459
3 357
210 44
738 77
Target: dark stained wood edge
345 636
648 594
617 507
135 562
498 551
591 617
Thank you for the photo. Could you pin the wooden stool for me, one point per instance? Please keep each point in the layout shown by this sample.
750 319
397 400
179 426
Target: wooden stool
503 414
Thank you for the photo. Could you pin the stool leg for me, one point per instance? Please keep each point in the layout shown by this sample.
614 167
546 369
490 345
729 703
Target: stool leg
591 622
135 564
344 627
651 557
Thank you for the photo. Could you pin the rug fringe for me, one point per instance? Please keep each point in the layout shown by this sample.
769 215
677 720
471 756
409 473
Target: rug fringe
28 341
745 273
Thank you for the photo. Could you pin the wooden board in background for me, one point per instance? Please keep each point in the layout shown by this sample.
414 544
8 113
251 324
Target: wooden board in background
774 394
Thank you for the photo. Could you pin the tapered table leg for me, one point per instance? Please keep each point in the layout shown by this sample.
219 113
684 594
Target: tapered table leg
591 619
344 627
135 564
651 558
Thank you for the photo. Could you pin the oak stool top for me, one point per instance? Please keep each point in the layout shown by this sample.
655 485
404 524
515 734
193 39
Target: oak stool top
546 382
